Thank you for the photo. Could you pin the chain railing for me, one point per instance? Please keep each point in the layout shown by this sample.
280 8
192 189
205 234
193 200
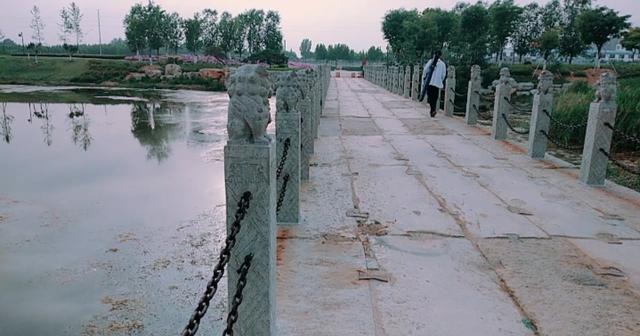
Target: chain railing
630 138
456 107
232 318
283 192
619 164
560 144
517 131
517 108
482 115
225 254
458 94
565 125
283 159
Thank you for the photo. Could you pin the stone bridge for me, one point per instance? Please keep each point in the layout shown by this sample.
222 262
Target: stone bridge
417 226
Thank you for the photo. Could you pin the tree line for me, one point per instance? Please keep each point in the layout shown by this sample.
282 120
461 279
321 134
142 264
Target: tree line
471 33
150 28
339 51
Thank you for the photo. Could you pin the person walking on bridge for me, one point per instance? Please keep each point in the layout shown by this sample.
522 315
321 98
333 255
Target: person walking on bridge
435 73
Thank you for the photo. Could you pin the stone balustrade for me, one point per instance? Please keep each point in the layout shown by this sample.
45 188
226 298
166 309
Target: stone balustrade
271 170
599 128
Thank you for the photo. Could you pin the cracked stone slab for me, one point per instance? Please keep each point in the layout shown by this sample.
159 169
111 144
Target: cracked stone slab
437 281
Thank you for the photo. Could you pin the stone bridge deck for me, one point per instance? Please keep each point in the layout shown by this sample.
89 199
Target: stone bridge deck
471 236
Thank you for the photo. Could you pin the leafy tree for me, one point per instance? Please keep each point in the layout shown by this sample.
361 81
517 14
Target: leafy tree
339 51
446 25
571 43
321 52
135 28
291 55
226 32
549 41
75 19
210 33
551 15
503 18
173 32
394 29
631 40
155 23
528 30
193 33
305 48
37 28
375 54
472 39
271 32
240 28
254 22
599 25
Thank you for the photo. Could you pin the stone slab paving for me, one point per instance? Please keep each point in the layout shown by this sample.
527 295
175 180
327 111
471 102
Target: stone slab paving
420 226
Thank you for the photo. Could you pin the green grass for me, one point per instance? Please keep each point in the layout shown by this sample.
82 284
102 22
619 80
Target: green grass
84 71
20 70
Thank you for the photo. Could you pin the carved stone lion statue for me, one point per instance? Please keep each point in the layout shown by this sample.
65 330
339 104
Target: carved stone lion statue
545 82
289 93
606 89
248 114
476 73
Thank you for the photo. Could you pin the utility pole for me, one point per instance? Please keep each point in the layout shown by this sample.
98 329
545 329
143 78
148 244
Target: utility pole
99 33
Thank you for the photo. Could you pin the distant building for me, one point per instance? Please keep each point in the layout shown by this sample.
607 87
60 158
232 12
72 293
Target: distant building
613 51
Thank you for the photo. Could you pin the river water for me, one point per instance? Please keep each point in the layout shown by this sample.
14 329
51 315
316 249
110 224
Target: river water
111 210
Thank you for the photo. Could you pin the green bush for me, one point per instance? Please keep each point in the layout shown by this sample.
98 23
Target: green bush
271 57
100 71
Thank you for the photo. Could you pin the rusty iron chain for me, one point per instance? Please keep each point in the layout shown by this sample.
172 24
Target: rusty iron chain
558 143
482 115
458 94
212 287
483 97
506 120
283 159
517 108
627 137
565 125
456 107
232 318
283 191
620 164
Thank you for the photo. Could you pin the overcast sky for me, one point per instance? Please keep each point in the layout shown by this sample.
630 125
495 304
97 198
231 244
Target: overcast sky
354 22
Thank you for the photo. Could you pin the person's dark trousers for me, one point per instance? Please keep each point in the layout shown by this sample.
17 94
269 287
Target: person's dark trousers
432 99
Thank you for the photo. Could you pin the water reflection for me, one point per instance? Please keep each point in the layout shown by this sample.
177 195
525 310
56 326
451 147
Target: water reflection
41 111
5 124
80 126
155 125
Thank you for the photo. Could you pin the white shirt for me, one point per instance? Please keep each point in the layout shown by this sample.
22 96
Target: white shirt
439 73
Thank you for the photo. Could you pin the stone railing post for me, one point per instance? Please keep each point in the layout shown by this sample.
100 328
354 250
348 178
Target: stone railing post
473 95
288 97
501 104
249 165
603 110
306 123
407 81
450 91
415 81
540 121
400 88
393 72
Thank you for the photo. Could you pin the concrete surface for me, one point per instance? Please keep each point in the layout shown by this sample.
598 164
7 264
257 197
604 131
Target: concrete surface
420 226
